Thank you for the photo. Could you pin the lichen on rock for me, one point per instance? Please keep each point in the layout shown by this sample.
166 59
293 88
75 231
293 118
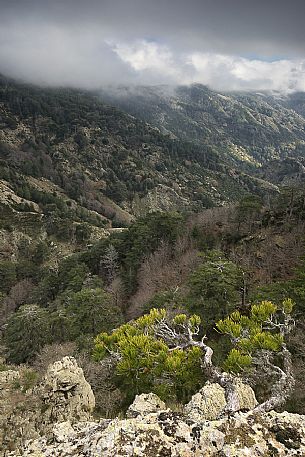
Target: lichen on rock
207 404
152 430
63 396
169 434
65 393
210 401
145 404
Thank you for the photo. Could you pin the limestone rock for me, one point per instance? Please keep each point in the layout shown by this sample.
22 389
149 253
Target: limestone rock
207 404
145 404
150 430
210 401
63 396
245 396
8 376
65 393
18 413
169 434
62 430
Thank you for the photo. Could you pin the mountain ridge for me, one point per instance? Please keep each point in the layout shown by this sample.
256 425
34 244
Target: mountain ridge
93 151
249 128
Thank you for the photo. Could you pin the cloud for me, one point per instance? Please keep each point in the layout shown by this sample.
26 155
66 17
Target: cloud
225 72
54 56
100 42
150 61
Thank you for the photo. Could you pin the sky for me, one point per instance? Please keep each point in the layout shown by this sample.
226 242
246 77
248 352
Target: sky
226 44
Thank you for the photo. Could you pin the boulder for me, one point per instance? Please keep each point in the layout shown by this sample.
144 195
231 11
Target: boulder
246 399
207 404
62 431
210 401
145 404
65 393
64 396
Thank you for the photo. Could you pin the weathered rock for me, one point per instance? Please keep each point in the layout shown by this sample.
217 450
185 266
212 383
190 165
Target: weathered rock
8 376
210 401
145 404
63 396
18 412
168 434
207 404
245 396
65 393
62 431
150 430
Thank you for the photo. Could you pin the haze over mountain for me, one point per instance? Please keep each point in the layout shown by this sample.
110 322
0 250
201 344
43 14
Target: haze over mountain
236 44
250 128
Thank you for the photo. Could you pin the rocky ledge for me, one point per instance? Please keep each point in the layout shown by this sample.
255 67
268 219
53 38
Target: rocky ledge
152 430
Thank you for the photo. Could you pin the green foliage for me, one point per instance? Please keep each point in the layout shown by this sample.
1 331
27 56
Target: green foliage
278 291
230 326
7 275
263 311
71 276
248 208
27 331
253 333
91 311
27 380
215 287
146 362
170 299
237 361
287 305
82 232
143 238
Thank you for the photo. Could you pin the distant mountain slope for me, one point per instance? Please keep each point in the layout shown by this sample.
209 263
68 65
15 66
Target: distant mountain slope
295 101
107 161
250 129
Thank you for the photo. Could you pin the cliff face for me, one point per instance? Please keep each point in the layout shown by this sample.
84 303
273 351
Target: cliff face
61 424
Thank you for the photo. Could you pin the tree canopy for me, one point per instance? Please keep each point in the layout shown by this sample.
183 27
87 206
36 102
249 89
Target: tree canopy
169 355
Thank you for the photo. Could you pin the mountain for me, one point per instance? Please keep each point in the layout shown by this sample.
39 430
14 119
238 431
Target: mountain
249 129
108 161
107 211
73 167
295 101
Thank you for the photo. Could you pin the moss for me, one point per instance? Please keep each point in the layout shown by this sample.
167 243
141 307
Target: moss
288 436
241 433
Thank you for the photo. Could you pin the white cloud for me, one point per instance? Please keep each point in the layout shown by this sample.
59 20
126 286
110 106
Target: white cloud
238 73
150 59
90 58
153 62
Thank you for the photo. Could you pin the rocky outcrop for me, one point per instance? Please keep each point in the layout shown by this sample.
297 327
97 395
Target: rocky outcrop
170 434
150 429
210 401
65 393
63 396
207 404
18 412
145 404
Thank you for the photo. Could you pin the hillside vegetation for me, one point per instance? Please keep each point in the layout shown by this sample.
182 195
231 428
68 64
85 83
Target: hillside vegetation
105 217
210 264
249 129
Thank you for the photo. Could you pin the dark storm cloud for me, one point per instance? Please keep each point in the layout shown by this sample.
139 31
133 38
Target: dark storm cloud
92 42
